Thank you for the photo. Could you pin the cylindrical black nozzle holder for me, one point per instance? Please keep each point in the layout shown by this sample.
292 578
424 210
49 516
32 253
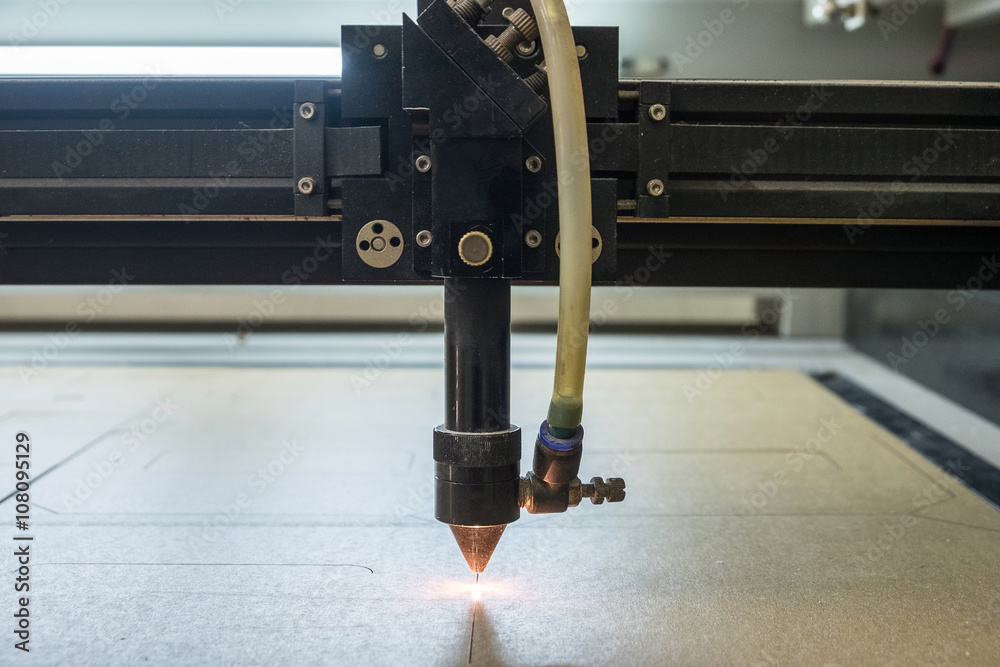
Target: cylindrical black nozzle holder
477 354
477 452
477 477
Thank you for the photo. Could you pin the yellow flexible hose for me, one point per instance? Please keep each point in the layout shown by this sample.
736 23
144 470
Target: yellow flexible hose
575 213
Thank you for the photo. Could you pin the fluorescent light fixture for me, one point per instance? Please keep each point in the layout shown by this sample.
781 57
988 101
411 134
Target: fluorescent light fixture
191 61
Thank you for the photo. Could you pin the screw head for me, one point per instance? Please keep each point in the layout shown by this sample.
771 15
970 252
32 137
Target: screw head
475 248
655 187
307 185
657 112
581 51
527 49
423 164
425 238
379 51
307 110
616 490
533 239
507 12
533 164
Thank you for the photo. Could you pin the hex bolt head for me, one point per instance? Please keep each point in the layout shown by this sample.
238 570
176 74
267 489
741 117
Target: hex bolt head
657 112
423 164
600 490
307 110
655 187
307 185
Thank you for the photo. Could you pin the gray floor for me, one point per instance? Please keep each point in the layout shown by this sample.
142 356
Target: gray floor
269 501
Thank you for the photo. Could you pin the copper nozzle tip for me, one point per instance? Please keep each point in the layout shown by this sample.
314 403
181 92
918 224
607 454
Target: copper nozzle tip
477 544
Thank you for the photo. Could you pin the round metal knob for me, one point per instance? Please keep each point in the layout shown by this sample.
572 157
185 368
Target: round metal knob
475 248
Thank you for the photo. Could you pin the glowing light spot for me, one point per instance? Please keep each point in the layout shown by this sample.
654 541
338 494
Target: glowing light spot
476 592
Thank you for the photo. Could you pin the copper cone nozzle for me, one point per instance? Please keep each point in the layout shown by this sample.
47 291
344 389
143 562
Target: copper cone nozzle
477 544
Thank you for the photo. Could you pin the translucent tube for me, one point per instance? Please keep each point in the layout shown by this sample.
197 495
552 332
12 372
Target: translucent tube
575 213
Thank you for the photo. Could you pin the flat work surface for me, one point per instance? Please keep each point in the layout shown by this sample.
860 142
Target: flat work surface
284 516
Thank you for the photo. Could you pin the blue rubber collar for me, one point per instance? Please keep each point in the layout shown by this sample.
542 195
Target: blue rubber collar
560 444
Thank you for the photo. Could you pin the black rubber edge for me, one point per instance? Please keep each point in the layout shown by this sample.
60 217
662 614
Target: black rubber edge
972 471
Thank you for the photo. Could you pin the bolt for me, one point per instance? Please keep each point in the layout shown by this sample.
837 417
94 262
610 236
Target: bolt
598 491
657 112
423 164
527 49
471 11
307 110
655 187
533 239
425 239
307 185
533 164
379 51
522 29
539 81
581 51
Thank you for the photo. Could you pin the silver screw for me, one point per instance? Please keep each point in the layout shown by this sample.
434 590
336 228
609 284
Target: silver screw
307 185
533 239
581 51
307 110
423 164
533 164
527 49
507 12
655 187
425 239
657 112
379 51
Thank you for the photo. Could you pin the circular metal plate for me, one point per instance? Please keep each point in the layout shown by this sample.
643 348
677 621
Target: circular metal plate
379 244
597 249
